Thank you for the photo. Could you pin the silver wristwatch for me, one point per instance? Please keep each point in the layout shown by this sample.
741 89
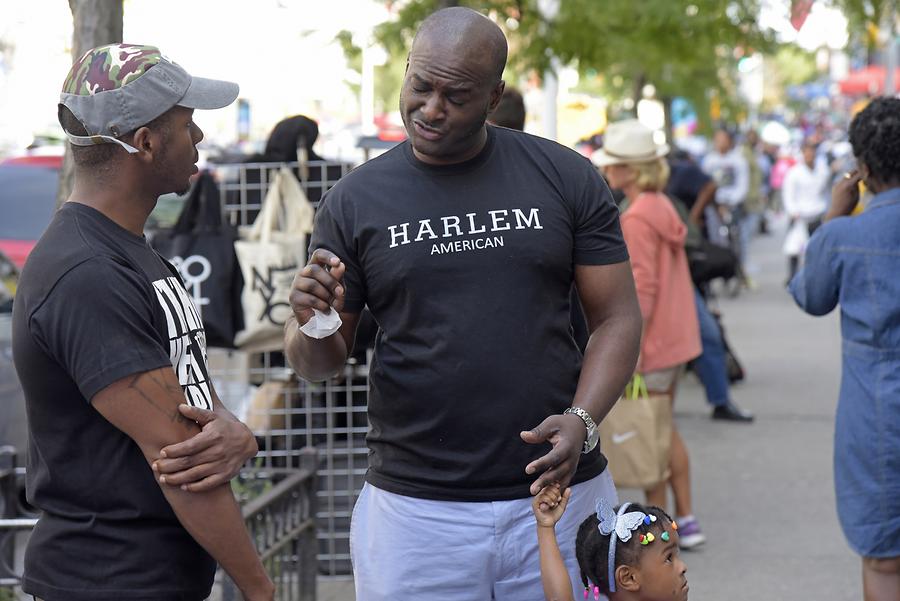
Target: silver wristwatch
593 433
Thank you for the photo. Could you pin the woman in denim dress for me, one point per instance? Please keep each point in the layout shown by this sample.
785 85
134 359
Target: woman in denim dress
855 261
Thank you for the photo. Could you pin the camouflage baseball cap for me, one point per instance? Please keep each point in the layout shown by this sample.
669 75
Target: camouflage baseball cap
115 89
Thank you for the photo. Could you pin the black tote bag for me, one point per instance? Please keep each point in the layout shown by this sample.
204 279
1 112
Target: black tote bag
202 248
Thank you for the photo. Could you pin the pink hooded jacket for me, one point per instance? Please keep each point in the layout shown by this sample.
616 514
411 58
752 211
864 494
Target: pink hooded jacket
655 237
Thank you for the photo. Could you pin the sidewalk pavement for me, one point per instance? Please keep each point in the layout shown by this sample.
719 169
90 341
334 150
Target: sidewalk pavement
763 492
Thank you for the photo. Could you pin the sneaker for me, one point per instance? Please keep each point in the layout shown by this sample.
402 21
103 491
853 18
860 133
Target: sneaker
689 534
731 412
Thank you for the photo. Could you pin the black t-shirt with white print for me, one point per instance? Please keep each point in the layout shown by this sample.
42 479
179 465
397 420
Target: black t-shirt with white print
96 304
467 270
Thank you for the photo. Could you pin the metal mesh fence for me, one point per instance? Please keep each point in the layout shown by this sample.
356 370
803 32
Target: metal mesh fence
288 413
280 519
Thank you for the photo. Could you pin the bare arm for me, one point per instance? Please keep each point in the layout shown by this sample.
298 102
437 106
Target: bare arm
320 359
212 457
844 196
319 285
548 508
145 407
614 319
706 196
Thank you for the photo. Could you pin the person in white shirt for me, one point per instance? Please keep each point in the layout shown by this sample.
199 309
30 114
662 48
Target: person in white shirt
804 197
727 165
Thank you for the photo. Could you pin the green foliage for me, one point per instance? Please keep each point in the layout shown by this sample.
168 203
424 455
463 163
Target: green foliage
860 15
789 66
388 77
793 66
683 47
352 52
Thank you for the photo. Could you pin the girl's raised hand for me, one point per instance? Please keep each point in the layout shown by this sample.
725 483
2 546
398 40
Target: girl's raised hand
549 505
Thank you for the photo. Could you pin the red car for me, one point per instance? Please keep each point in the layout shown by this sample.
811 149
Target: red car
28 187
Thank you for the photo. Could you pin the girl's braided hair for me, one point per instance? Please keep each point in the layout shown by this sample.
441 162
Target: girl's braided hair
592 548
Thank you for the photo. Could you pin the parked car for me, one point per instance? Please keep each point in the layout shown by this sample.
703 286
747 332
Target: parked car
28 188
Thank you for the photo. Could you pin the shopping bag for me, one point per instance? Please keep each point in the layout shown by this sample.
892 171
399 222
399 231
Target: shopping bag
635 437
796 239
708 261
270 252
201 247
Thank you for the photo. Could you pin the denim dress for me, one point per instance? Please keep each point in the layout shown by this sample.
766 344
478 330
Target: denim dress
855 261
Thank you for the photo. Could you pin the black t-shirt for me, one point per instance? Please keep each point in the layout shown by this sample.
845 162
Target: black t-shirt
95 304
686 182
467 270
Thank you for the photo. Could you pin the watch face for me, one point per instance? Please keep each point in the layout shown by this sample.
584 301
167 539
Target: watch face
592 438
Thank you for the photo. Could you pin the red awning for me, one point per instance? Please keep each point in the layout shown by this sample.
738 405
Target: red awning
868 80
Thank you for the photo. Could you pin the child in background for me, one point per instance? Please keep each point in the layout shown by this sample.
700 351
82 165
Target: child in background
629 553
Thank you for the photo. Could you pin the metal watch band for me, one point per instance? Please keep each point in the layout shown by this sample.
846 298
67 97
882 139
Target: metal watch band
593 434
584 415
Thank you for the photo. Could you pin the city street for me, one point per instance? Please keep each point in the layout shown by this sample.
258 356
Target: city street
763 493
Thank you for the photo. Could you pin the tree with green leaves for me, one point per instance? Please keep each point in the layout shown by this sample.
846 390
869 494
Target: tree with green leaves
684 48
866 21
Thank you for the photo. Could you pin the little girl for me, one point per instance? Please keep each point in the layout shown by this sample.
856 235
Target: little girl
629 553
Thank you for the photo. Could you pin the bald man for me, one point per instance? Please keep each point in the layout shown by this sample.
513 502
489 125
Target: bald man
464 242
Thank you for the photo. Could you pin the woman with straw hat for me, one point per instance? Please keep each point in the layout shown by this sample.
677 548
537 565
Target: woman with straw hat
634 163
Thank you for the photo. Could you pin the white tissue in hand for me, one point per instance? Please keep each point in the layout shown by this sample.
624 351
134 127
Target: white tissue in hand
322 325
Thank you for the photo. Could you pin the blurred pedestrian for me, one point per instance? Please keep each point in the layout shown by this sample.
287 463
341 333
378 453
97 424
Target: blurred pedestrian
853 261
689 185
290 141
655 235
728 167
510 111
456 239
111 354
804 199
760 190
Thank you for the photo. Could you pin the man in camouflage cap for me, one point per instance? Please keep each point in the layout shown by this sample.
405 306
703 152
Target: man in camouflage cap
115 89
111 353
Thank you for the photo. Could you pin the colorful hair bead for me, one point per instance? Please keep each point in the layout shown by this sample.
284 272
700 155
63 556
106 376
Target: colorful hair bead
596 593
650 537
664 536
647 520
674 525
586 589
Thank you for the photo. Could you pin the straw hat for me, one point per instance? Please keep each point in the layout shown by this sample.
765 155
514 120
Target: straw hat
628 141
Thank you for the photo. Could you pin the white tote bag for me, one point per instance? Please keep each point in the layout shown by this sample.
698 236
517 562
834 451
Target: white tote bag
796 239
270 252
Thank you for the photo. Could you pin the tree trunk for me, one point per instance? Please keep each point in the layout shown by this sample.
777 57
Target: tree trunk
667 111
639 82
96 22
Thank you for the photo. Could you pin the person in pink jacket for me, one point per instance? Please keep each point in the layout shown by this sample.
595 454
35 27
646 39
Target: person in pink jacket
633 163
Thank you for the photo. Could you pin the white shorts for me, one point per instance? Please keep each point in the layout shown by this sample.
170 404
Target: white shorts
408 548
